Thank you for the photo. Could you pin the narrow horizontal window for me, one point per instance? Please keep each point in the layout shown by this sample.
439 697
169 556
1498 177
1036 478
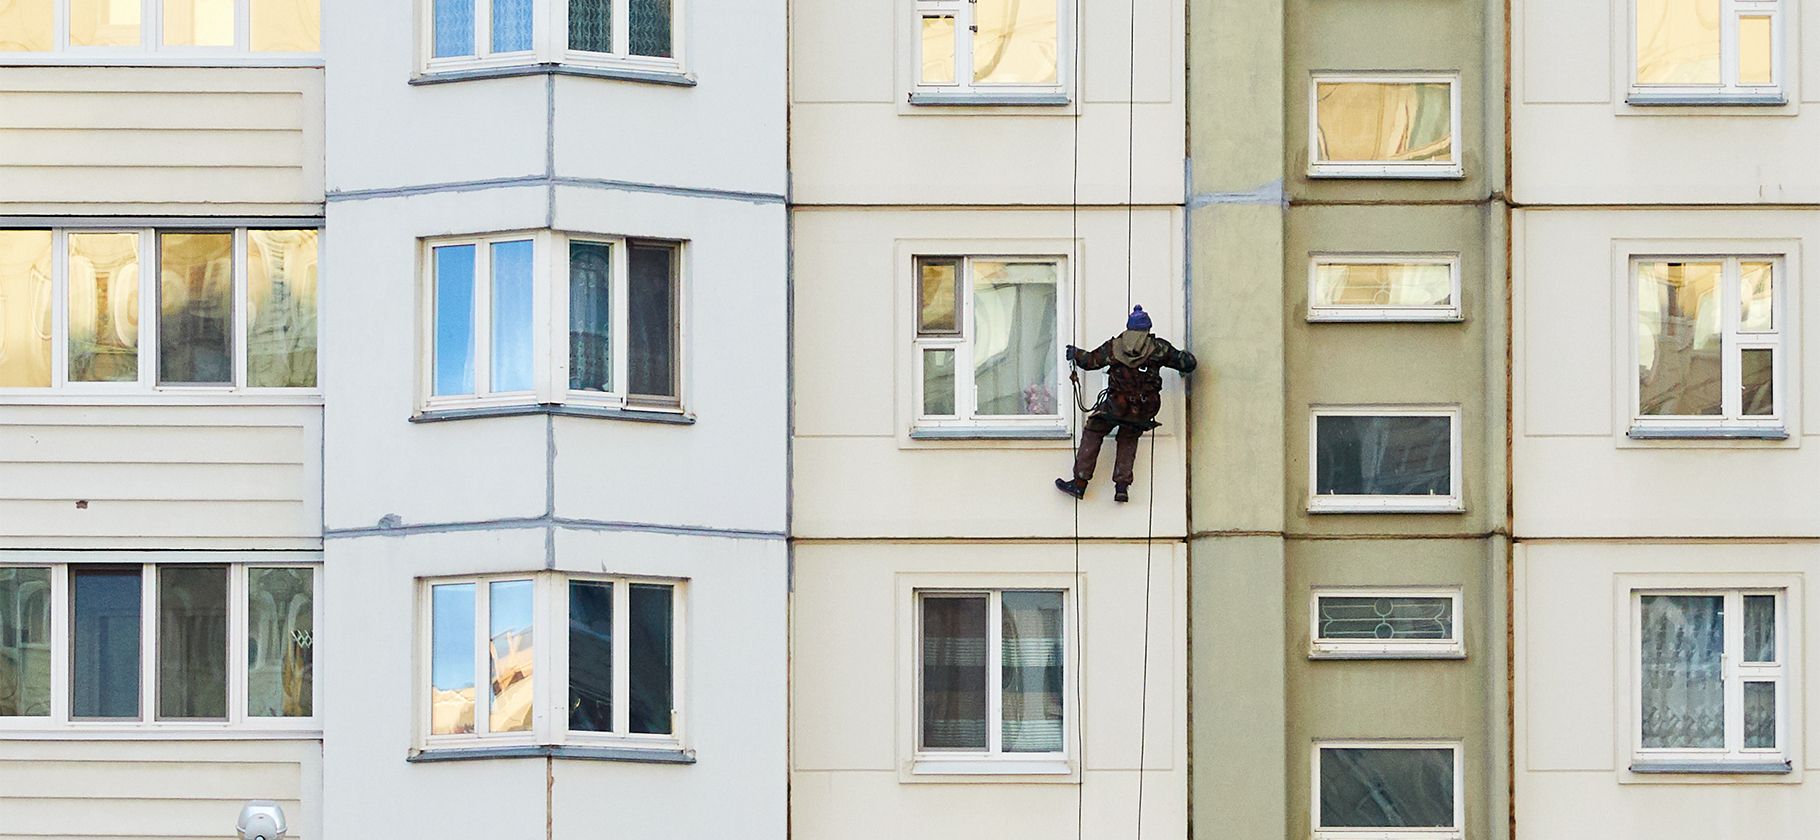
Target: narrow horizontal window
1386 623
1392 461
1384 288
1392 126
158 30
1387 791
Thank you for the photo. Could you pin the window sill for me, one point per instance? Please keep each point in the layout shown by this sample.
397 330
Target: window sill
623 74
51 397
1706 433
1387 171
1704 100
631 754
83 57
147 732
1362 505
1013 100
985 767
1388 834
1385 315
1727 768
1331 650
674 418
989 433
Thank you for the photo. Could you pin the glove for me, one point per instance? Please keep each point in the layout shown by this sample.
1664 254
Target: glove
1074 353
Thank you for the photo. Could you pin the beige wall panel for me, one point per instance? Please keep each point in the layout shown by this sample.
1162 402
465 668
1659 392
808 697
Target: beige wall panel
836 51
154 789
1593 806
170 140
1562 311
1565 664
1109 54
1562 51
160 476
841 806
1587 487
1587 154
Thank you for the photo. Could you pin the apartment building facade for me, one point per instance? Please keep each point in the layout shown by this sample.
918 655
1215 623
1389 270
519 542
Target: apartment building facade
974 187
1348 509
1663 521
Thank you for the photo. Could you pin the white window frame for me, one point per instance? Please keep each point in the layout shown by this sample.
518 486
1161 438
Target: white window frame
150 272
1733 342
1453 647
151 49
60 724
963 87
1342 312
550 665
1733 757
994 760
1729 90
1456 832
1318 168
550 326
550 41
966 416
1451 503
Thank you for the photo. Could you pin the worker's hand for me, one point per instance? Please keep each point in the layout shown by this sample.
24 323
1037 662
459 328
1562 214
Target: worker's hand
1074 353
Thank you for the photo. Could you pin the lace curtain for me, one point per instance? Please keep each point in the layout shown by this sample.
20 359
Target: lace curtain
1683 676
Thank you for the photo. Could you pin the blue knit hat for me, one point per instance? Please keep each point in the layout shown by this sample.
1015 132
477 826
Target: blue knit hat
1139 320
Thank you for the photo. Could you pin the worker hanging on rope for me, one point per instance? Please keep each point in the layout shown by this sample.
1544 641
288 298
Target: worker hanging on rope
1133 395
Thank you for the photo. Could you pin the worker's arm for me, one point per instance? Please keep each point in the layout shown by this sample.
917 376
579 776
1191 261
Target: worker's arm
1170 357
1100 356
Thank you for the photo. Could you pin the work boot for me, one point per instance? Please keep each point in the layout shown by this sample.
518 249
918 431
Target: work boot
1075 487
1119 494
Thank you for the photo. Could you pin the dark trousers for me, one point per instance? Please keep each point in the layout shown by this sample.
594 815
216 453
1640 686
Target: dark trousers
1094 434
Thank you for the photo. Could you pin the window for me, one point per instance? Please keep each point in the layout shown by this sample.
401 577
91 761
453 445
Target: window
1384 460
1400 125
1388 791
1385 624
617 661
630 33
495 302
1707 51
992 683
228 309
1709 347
985 47
157 644
987 353
87 31
1712 681
1384 287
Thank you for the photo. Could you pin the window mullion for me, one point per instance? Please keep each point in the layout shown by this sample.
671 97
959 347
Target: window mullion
62 631
483 28
148 642
237 684
622 29
149 263
548 335
622 657
995 673
241 314
544 683
1731 359
620 286
1732 668
60 328
1729 52
483 699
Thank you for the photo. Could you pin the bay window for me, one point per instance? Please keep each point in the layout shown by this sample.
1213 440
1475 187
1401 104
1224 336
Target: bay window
33 31
987 349
146 645
1709 346
635 34
226 310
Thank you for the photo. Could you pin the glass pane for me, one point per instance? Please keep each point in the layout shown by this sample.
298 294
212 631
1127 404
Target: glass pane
650 28
1679 338
1383 121
1759 715
651 321
25 642
454 24
1014 349
590 316
1384 619
1384 456
509 655
1031 633
104 23
1683 682
591 25
938 297
25 309
938 382
1759 628
511 350
199 23
287 25
1378 284
1014 42
454 363
192 641
196 308
104 661
1757 304
590 657
104 307
26 25
938 50
511 25
1678 42
1759 369
281 308
452 659
1755 51
1365 787
954 673
280 642
652 659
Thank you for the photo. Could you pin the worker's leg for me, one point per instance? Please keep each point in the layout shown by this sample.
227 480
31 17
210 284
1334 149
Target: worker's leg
1126 457
1092 435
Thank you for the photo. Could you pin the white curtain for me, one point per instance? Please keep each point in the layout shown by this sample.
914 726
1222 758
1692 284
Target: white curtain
1683 679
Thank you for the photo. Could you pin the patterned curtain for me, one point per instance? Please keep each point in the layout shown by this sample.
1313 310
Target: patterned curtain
591 25
1683 676
511 25
650 27
454 28
1032 678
